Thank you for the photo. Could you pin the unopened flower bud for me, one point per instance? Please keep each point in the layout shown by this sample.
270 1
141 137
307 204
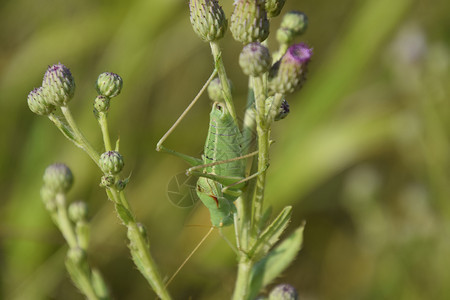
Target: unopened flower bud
294 23
273 7
255 59
101 103
121 184
59 85
282 111
37 102
48 197
109 84
215 91
283 292
107 181
249 21
289 73
208 19
76 255
78 211
111 162
58 178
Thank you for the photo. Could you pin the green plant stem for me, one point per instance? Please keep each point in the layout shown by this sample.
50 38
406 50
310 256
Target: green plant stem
64 128
241 290
148 266
281 51
263 132
148 269
80 275
63 222
217 54
86 146
251 227
105 131
84 283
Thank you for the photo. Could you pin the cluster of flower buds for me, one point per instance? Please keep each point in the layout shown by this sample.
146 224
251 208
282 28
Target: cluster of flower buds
58 88
77 212
108 85
294 23
112 163
58 179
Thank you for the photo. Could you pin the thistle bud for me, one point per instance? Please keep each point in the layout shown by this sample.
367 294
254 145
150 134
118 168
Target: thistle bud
215 90
255 59
249 21
76 255
289 73
283 292
111 162
48 197
109 84
101 103
37 102
282 111
78 211
273 7
58 178
107 181
294 23
208 19
121 184
59 85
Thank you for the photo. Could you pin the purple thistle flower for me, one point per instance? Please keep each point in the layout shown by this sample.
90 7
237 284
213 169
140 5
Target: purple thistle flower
288 74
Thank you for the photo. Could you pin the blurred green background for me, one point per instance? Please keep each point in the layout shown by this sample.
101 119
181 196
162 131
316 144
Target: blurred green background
363 157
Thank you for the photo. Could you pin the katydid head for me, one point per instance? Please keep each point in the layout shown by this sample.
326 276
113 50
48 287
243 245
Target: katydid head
220 111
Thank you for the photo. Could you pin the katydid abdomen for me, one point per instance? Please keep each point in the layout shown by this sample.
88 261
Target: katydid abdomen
223 143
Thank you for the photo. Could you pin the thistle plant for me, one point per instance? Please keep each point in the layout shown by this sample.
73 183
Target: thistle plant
57 90
233 196
72 222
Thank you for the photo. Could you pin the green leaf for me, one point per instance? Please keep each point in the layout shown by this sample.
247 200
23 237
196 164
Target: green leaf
117 144
271 266
124 213
98 284
272 233
265 217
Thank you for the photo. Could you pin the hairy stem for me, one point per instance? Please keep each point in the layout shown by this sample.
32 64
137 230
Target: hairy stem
63 221
138 243
217 54
105 131
263 132
139 248
241 290
87 147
